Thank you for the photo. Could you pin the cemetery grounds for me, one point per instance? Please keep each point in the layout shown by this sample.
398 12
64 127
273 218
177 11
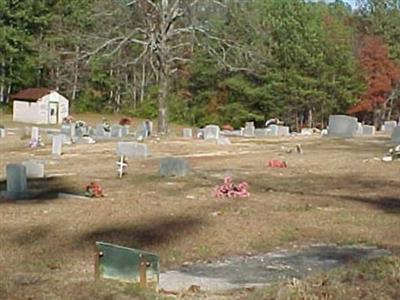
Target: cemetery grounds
338 192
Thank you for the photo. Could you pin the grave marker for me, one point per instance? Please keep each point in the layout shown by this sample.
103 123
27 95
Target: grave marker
116 131
34 169
173 166
17 184
132 149
249 130
187 133
342 126
396 135
223 141
127 265
35 134
211 132
57 145
368 130
389 126
2 133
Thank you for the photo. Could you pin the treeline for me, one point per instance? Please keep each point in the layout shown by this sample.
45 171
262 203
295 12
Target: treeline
200 62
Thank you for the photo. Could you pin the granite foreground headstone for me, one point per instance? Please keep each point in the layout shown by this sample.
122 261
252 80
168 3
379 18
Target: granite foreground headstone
342 126
34 169
132 149
17 184
174 166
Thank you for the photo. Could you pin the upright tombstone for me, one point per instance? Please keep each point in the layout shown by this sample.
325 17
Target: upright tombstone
359 130
368 130
132 149
173 166
249 129
17 185
34 169
273 130
283 130
396 135
35 134
99 131
125 130
2 133
389 126
342 126
187 133
211 132
58 141
223 140
116 131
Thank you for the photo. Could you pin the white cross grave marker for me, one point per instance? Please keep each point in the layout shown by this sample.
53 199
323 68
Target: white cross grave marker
122 165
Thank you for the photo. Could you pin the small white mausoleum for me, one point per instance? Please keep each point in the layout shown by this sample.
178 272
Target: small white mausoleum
39 106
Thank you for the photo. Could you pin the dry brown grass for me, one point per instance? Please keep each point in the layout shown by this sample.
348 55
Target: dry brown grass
329 194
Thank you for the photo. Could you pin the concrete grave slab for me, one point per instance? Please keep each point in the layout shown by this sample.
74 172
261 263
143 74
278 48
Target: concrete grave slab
132 149
173 166
342 126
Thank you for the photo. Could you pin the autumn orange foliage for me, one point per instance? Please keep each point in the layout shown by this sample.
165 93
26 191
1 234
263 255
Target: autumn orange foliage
380 73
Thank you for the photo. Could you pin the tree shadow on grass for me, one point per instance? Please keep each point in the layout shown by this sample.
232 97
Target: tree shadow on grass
151 233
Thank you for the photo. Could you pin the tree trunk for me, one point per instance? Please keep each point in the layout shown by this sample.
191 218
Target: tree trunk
2 80
143 81
76 78
377 117
310 118
162 103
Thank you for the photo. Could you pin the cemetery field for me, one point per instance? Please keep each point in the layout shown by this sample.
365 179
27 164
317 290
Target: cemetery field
338 191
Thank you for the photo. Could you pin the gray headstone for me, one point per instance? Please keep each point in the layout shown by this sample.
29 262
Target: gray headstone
173 166
273 130
72 130
17 184
249 130
58 141
2 133
100 130
35 133
368 130
211 132
116 131
125 130
389 126
34 169
396 135
187 133
359 130
283 130
132 149
342 126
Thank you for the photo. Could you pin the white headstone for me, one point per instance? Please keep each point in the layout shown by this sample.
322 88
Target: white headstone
389 126
34 169
35 134
249 130
58 141
211 132
368 130
17 184
359 130
261 132
273 130
187 133
2 133
132 149
396 135
283 130
223 141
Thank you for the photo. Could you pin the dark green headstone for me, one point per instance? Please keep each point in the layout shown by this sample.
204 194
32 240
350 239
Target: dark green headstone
124 264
